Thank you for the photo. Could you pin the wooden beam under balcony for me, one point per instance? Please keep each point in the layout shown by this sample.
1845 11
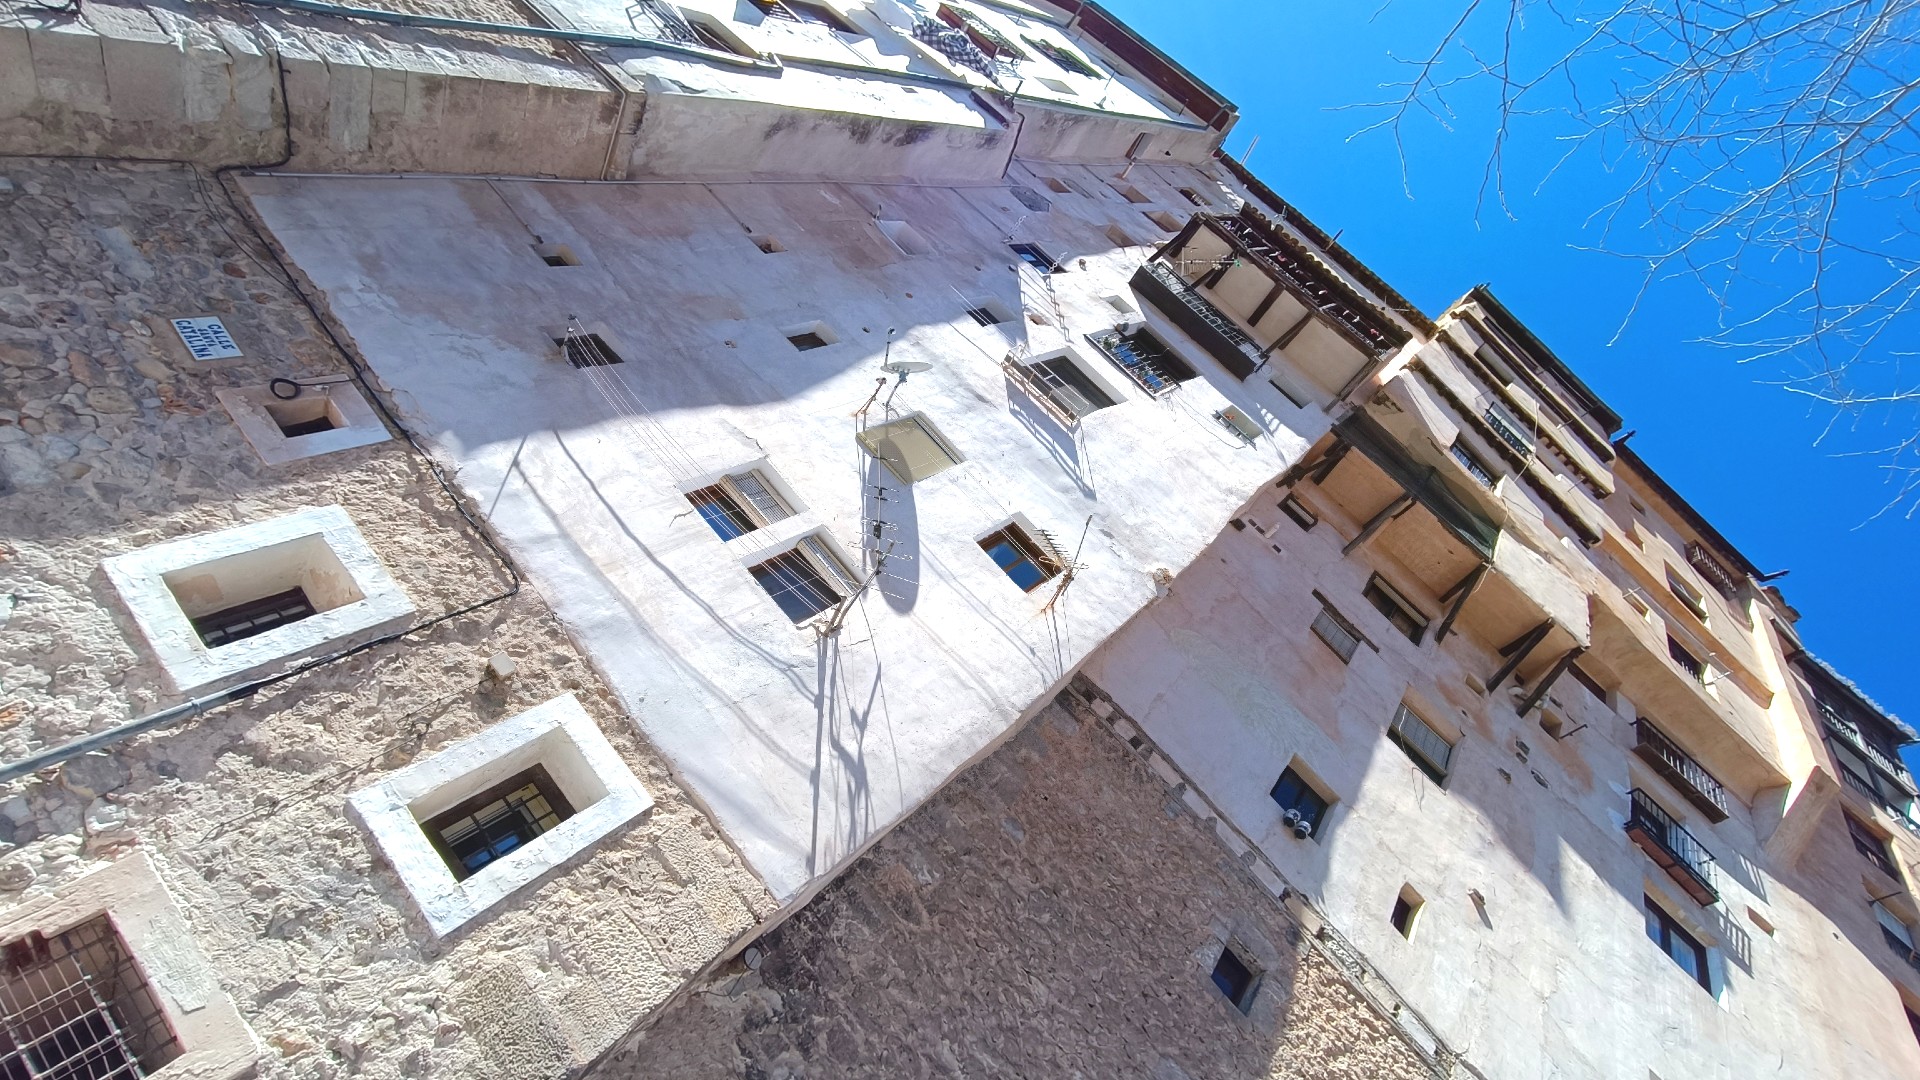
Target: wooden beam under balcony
1516 652
1461 591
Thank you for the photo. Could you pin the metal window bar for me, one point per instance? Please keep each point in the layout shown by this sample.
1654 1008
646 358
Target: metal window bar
1711 568
1201 306
827 564
1333 630
661 21
1679 767
1043 556
1062 58
1871 848
991 41
1144 360
253 617
1428 748
1840 725
750 491
75 1007
1684 858
1508 430
1474 466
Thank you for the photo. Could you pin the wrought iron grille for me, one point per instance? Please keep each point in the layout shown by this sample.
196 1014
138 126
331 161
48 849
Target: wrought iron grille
1332 297
1673 847
1509 431
1694 781
661 21
1200 305
75 1007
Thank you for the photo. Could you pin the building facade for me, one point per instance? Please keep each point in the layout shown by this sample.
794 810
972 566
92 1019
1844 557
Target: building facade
792 538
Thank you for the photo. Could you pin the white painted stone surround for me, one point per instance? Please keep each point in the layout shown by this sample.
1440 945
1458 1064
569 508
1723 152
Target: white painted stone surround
558 735
355 422
367 600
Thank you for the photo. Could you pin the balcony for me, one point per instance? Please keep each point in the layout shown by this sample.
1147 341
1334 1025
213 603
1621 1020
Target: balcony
1195 315
1684 773
1287 261
1711 569
1669 844
1509 431
1850 731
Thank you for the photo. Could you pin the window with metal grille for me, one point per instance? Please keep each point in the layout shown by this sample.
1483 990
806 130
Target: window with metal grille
1681 947
74 1006
1689 597
1194 197
803 581
498 821
1236 978
241 621
1035 256
1337 632
990 41
1024 560
738 504
1399 611
587 350
802 12
1146 360
1688 662
1068 387
1422 743
1064 59
1471 461
1872 846
1294 793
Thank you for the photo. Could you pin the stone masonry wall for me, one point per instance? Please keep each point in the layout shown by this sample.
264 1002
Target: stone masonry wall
108 443
1055 912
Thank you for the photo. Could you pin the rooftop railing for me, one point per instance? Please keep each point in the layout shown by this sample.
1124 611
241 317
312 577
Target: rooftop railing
1688 776
1669 844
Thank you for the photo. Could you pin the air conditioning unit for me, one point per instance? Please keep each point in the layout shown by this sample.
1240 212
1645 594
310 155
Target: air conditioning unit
1239 423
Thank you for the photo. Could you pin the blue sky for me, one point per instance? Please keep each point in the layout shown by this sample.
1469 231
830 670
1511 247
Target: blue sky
1741 451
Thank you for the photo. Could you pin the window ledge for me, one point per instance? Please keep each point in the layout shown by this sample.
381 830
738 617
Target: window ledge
355 422
558 734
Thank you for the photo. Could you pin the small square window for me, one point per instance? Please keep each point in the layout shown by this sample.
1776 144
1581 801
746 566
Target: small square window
320 418
904 237
1301 804
1169 223
556 254
1339 635
1120 237
1474 464
1030 199
909 447
985 315
1681 947
805 580
1422 743
1027 562
1406 909
587 351
1399 611
1035 256
768 245
497 821
1055 85
309 414
1235 978
807 340
1132 194
1688 662
1059 186
1298 511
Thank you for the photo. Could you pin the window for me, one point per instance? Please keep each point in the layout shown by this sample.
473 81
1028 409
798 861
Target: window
804 581
1422 742
556 254
587 350
1034 256
738 505
319 418
467 827
1689 597
497 821
1059 186
768 245
1132 194
801 11
1892 927
710 34
985 316
1406 908
1871 845
1169 223
1235 978
1680 946
1592 685
807 340
1062 58
1296 796
1062 381
1339 634
904 236
1146 361
1511 431
1194 197
1297 510
221 605
75 1006
306 414
1688 662
909 447
1056 86
991 41
1402 614
1473 464
1028 563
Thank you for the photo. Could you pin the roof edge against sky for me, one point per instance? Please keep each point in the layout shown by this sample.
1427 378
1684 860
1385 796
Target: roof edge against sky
1484 295
1821 669
1132 46
1686 510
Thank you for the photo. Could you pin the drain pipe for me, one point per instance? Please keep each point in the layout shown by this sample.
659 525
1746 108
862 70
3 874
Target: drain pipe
100 740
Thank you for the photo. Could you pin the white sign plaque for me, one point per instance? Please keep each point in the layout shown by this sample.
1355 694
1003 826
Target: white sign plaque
206 338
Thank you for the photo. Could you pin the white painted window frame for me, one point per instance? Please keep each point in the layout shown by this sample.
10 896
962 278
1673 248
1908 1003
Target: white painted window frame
356 424
392 810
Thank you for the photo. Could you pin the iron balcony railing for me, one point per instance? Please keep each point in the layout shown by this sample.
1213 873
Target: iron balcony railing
1900 946
1712 569
1668 843
1679 767
1195 314
1368 328
1505 427
1857 740
663 22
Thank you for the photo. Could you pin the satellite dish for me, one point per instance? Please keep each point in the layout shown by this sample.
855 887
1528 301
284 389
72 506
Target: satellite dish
904 368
